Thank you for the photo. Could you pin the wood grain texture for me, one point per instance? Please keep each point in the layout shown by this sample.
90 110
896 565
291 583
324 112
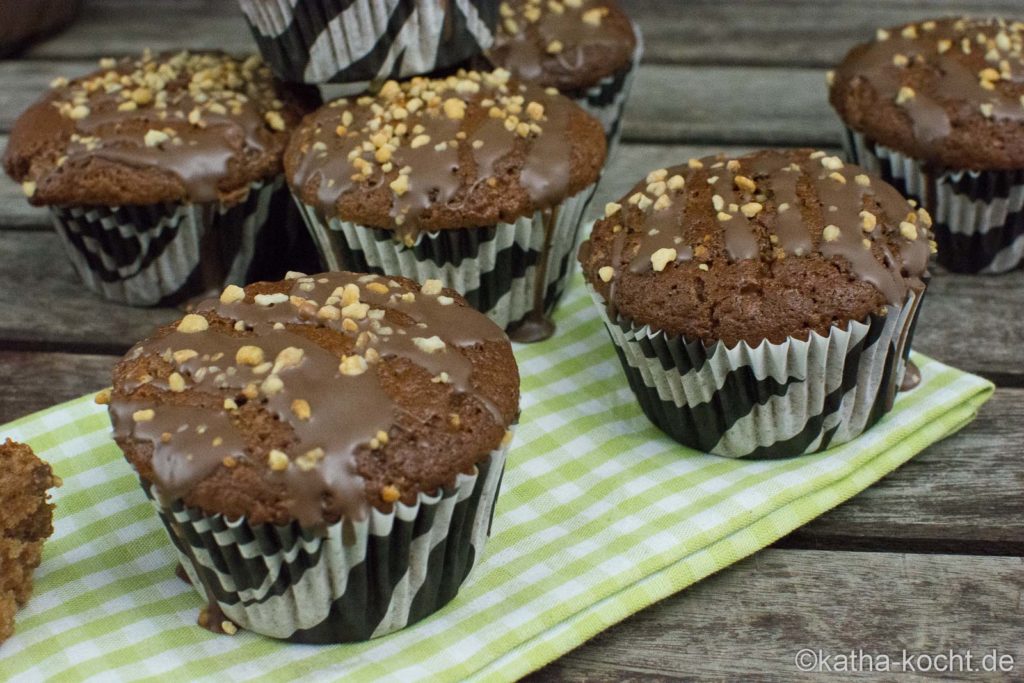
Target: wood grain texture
961 495
42 380
756 615
48 308
765 32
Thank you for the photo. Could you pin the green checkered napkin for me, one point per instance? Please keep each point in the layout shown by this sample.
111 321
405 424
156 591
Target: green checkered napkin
600 515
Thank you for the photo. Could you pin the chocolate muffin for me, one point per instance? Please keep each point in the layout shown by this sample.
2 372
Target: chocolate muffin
937 108
355 42
337 419
160 171
475 179
26 523
762 306
587 49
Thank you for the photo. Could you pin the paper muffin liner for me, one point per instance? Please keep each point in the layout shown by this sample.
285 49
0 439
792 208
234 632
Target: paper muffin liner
979 215
494 267
606 100
161 254
772 400
354 581
360 41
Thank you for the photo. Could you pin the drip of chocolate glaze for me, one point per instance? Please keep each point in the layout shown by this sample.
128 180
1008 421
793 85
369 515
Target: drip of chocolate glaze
911 378
347 411
199 156
786 222
538 325
945 82
440 174
585 44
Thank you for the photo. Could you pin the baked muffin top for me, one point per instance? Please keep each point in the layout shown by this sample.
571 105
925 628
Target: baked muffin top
949 92
188 127
566 44
771 245
315 397
470 150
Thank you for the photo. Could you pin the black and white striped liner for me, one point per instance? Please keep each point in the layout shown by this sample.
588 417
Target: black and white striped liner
979 215
359 41
607 100
493 267
161 254
357 581
773 400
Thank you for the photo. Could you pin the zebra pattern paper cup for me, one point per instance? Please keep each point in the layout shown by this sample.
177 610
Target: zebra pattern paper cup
772 400
356 581
163 254
360 41
979 215
506 270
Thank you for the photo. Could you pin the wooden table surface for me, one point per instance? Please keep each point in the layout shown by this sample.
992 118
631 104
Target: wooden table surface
929 559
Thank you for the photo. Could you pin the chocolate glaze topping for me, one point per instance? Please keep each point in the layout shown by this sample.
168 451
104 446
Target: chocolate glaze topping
357 370
750 248
569 45
194 127
949 91
470 150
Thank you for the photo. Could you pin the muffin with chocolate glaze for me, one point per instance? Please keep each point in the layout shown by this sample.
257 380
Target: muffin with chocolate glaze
159 171
762 306
340 420
587 49
937 108
475 179
26 523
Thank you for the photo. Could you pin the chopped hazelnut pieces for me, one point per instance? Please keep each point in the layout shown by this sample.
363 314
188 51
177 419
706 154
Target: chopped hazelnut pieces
154 138
102 398
555 47
662 257
905 94
611 208
908 230
432 287
868 221
606 273
249 355
830 233
389 494
288 357
193 323
274 120
28 187
429 344
270 299
352 366
232 294
301 409
309 459
744 183
145 415
751 209
272 385
176 383
277 460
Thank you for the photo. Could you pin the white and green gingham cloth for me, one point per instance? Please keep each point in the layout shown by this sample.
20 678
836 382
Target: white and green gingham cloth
599 516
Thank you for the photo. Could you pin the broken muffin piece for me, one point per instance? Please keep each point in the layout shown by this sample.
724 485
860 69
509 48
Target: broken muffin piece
26 522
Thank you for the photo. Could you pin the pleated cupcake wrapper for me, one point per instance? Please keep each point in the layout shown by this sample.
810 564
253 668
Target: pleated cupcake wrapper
160 254
494 267
357 581
607 100
979 215
773 400
360 41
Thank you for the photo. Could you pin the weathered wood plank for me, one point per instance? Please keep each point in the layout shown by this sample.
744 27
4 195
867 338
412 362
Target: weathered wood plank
45 306
795 32
741 105
54 310
960 495
753 618
34 381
